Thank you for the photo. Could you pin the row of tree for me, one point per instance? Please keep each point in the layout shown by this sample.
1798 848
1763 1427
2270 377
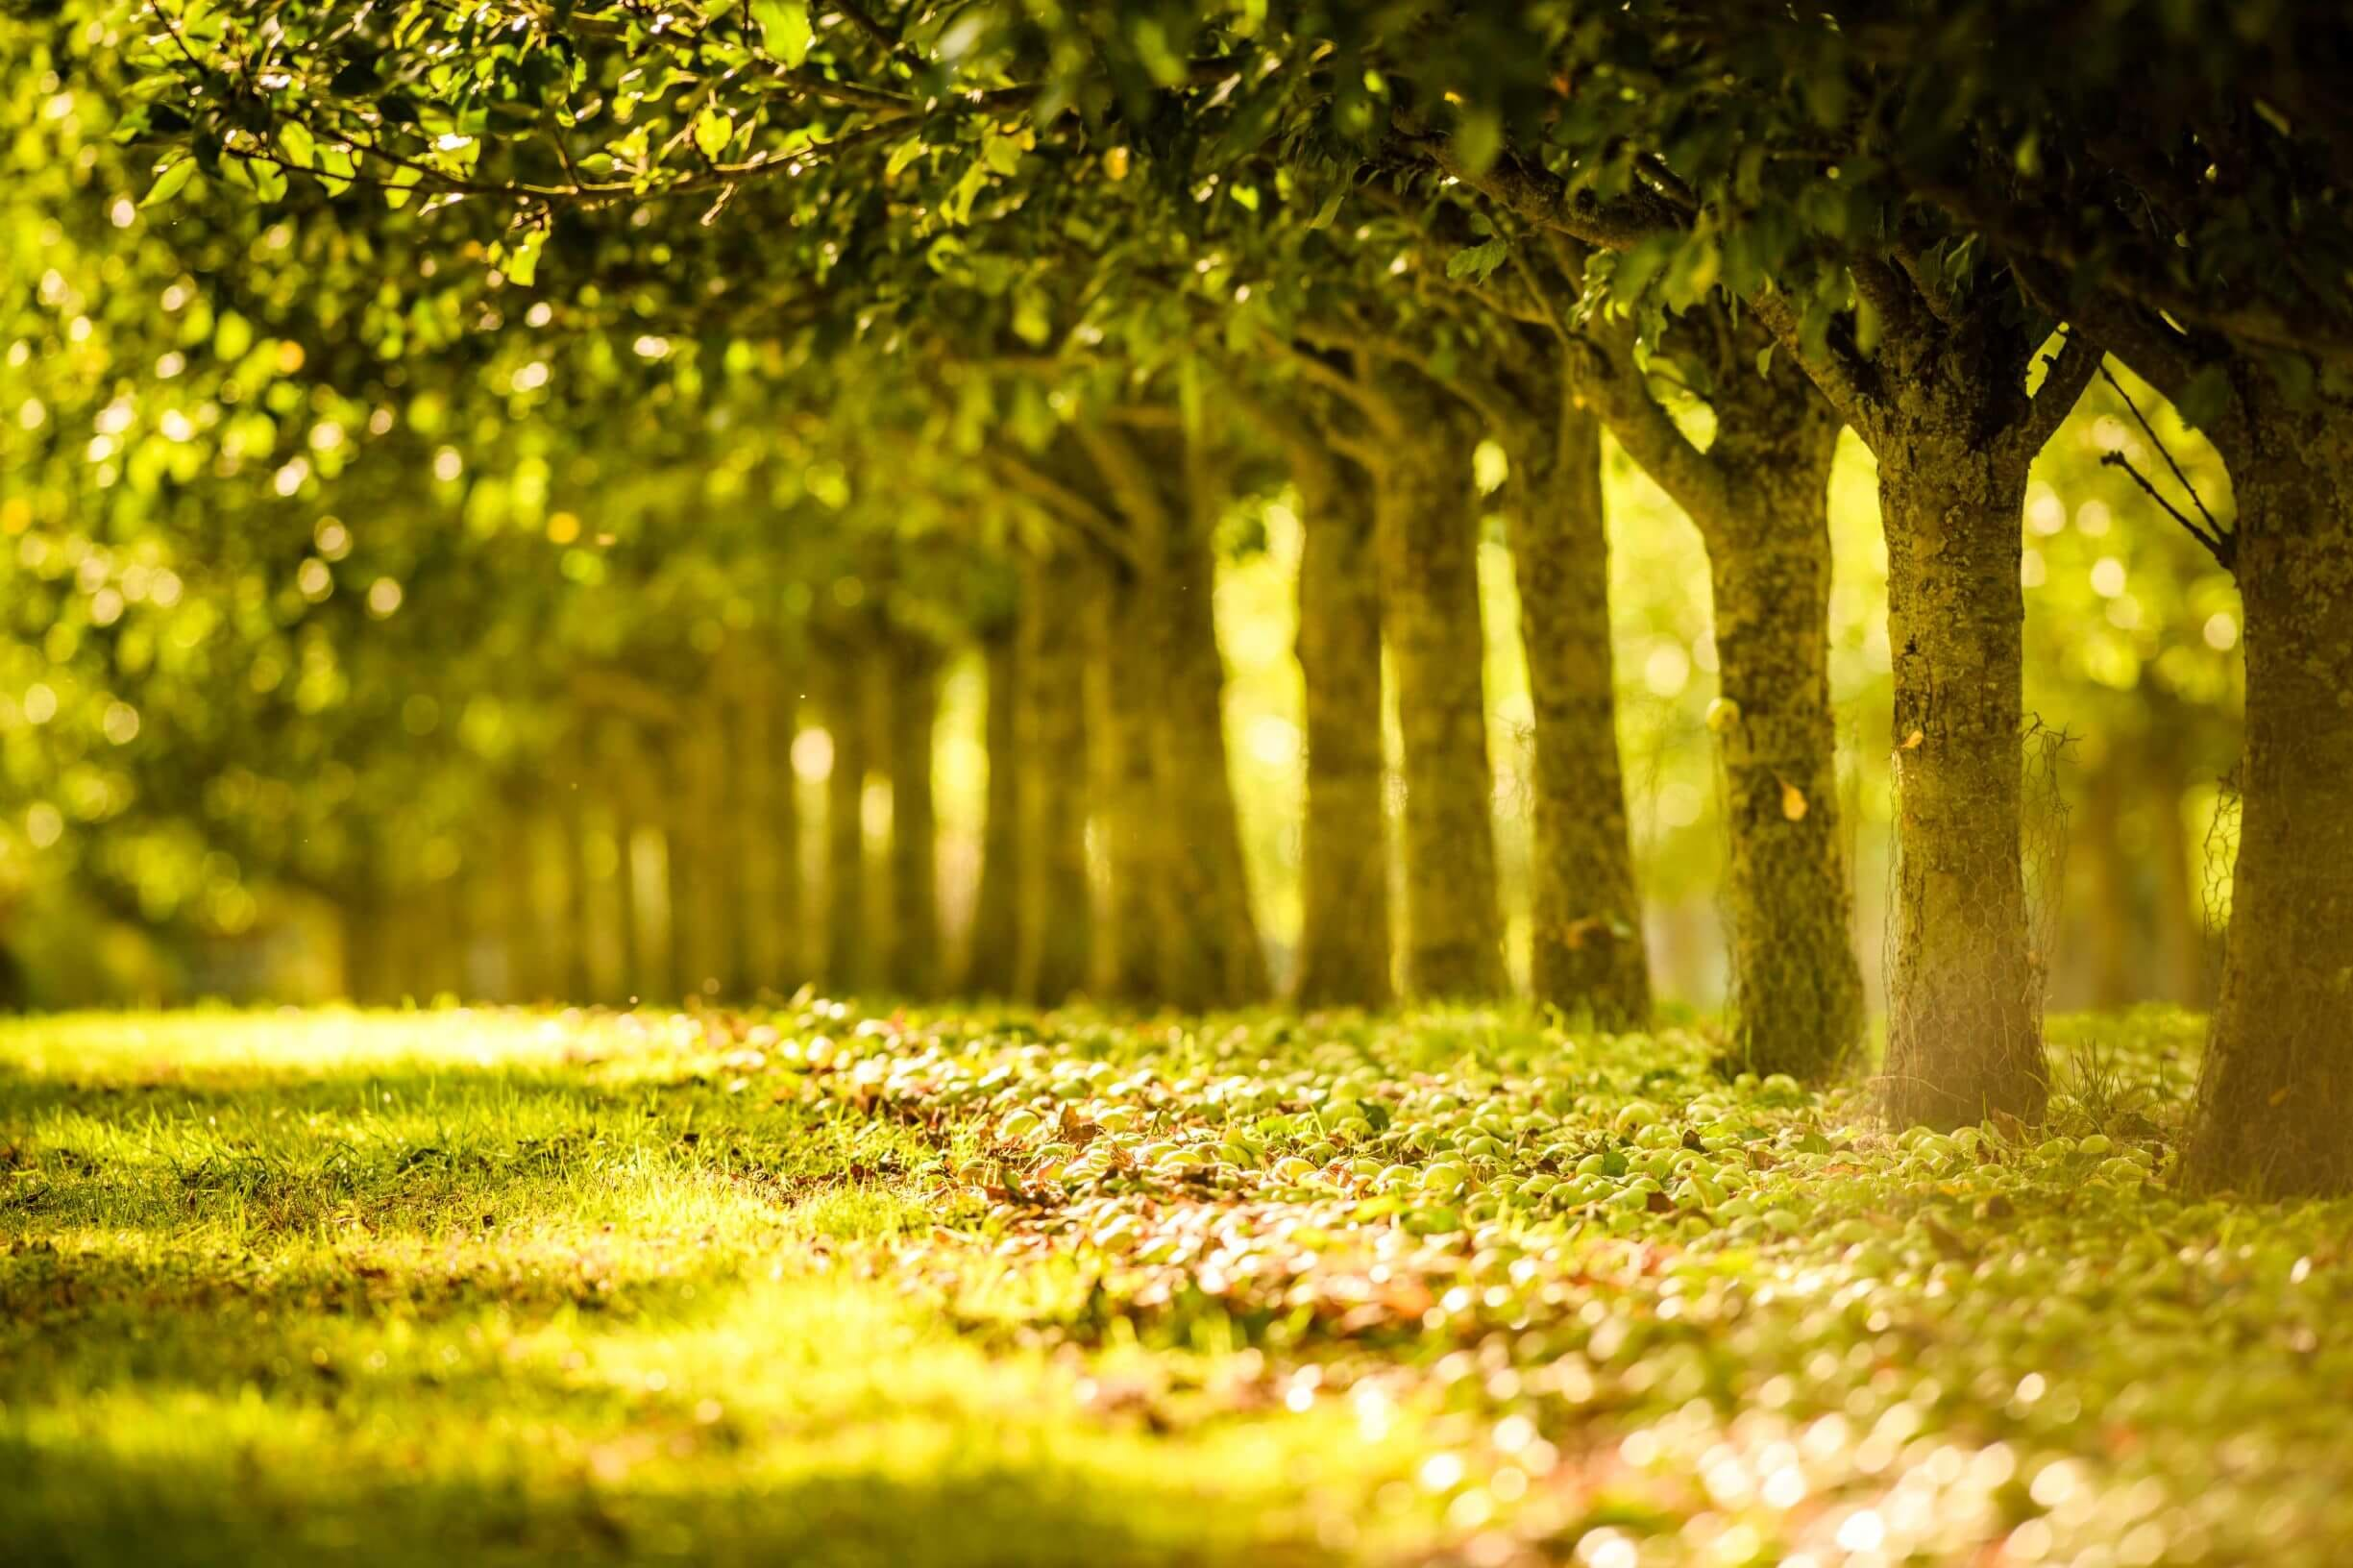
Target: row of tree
1036 247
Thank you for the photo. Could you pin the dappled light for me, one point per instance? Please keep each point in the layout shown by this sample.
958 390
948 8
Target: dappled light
1176 782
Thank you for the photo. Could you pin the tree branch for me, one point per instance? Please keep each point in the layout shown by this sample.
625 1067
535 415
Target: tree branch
1059 500
2070 371
2222 546
1844 377
1602 371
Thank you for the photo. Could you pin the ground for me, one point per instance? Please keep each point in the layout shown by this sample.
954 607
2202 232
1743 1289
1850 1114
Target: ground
802 1286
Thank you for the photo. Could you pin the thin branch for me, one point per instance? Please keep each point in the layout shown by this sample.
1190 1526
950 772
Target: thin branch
1059 500
1379 412
2222 546
2162 450
1543 198
882 37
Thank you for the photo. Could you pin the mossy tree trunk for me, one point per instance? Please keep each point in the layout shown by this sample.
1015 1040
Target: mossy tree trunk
990 942
1965 998
788 893
1797 986
1124 686
522 920
756 825
1187 844
1945 405
913 711
633 795
2274 1112
1210 955
577 903
849 938
1054 923
1759 496
368 972
1425 519
1344 951
1586 953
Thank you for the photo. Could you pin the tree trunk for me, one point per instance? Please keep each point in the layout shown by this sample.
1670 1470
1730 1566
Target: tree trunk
751 823
1586 953
2274 1113
788 953
1426 527
989 945
1209 952
1344 951
1965 996
849 937
2113 905
634 793
1797 987
523 929
2181 932
367 966
1125 688
578 906
1054 921
915 873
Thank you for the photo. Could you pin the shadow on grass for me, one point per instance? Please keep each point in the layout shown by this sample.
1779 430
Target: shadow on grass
78 1506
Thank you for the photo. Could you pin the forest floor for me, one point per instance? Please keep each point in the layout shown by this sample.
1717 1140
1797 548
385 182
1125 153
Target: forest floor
1455 1287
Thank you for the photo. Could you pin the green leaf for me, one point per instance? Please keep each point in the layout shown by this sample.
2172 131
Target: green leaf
784 29
168 182
1479 261
1330 208
902 154
296 139
519 258
713 131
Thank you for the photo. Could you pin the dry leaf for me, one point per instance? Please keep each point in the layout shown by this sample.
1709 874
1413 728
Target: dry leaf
1793 801
1911 742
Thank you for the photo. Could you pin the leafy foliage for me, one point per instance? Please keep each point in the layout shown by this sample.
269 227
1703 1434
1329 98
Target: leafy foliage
1333 1288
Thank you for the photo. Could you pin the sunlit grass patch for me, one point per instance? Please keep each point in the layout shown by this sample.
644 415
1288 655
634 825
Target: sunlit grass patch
981 1288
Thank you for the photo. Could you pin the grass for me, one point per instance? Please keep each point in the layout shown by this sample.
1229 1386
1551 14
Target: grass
1454 1288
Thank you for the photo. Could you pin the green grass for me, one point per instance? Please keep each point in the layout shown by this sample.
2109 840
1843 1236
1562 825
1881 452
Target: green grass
499 1287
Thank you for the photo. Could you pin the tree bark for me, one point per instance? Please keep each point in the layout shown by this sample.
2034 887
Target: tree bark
578 905
523 926
1054 923
788 891
633 798
1125 687
1344 954
1965 1020
1758 496
368 980
1424 524
1797 987
752 787
1587 956
2275 1115
990 944
914 873
848 932
1209 954
2113 905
